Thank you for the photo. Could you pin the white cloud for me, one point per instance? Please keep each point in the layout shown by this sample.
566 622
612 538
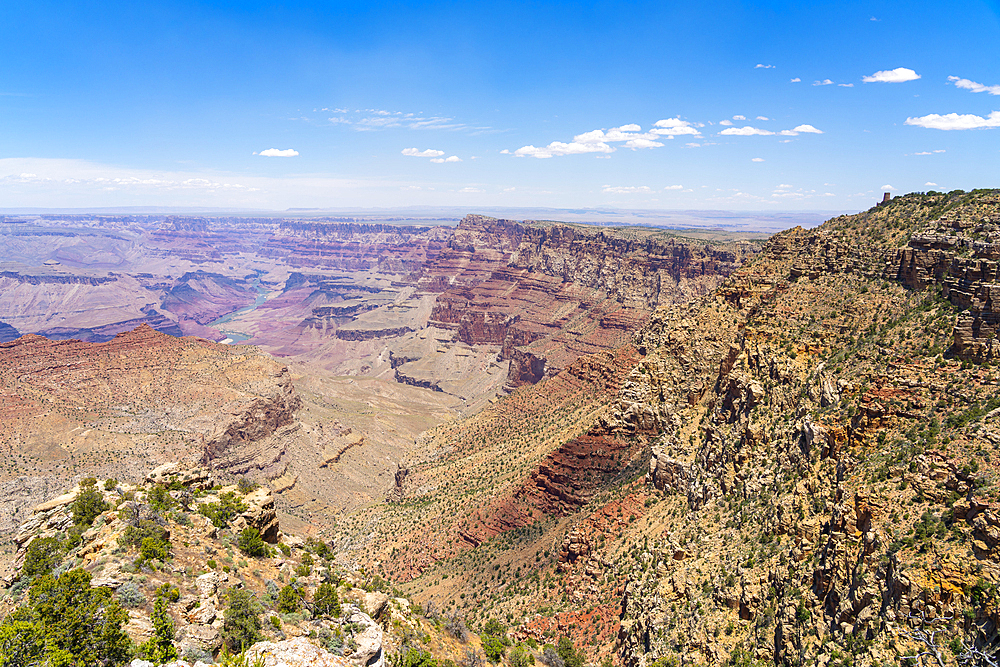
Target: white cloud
674 187
276 152
739 117
599 141
783 186
796 80
973 86
763 118
381 119
940 150
626 189
824 82
469 190
807 128
642 142
673 127
757 159
430 152
744 131
954 121
440 160
887 187
898 75
505 152
846 85
929 183
725 122
693 144
762 66
82 177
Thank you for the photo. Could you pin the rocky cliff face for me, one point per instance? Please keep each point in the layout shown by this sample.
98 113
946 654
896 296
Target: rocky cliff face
548 294
820 485
959 251
816 463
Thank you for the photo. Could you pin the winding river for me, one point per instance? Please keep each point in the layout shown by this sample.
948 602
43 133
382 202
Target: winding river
236 337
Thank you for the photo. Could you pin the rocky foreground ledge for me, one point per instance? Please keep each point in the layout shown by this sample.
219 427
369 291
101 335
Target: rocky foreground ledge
196 568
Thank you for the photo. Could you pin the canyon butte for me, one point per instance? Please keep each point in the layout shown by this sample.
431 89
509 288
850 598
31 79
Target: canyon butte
587 445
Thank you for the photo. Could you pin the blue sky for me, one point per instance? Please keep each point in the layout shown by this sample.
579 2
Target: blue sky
713 105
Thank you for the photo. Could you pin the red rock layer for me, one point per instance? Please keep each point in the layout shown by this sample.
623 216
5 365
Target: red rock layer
568 476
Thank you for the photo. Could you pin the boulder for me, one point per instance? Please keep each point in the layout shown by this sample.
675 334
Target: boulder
369 641
260 514
298 652
193 478
207 584
202 637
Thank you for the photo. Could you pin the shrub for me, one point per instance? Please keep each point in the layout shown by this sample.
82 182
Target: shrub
518 657
304 568
551 658
285 549
570 655
493 648
288 600
241 625
494 628
251 543
224 511
110 484
44 553
455 625
245 486
159 498
153 549
134 535
319 547
88 504
160 647
129 595
168 592
412 657
326 602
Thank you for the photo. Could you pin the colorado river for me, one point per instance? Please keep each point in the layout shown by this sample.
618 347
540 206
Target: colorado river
236 337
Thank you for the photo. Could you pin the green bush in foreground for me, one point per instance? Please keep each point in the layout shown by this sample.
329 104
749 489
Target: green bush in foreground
88 504
44 554
251 543
241 625
326 602
160 647
224 511
65 622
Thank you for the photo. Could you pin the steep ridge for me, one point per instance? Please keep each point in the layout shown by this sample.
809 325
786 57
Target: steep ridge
822 475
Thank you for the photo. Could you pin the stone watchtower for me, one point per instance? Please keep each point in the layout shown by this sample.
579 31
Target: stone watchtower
885 198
